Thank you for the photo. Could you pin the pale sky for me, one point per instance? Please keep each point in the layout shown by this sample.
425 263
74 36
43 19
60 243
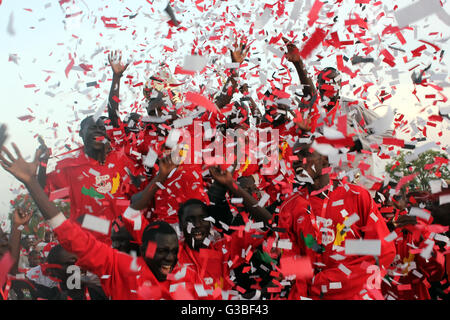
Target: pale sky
38 36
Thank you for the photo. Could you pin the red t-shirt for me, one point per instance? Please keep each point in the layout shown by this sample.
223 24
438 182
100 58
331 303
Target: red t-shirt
410 273
122 277
337 275
99 190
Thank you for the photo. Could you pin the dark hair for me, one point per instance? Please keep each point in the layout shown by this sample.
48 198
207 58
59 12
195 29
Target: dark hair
54 255
188 203
84 122
155 228
322 73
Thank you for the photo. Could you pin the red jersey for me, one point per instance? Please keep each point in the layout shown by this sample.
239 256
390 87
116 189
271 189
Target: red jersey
410 273
122 277
208 267
322 225
93 188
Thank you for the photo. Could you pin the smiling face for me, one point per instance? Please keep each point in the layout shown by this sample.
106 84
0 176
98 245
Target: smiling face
165 257
310 163
93 134
195 227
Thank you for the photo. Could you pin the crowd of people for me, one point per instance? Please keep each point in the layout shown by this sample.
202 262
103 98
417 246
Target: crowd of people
156 215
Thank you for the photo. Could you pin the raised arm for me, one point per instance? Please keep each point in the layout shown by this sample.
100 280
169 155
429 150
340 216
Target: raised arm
293 55
92 254
230 87
25 172
118 69
225 178
20 218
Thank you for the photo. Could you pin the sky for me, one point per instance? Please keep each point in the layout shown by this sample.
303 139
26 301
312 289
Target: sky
41 38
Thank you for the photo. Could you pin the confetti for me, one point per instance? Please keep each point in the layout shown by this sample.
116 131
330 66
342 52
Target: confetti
97 224
301 267
363 247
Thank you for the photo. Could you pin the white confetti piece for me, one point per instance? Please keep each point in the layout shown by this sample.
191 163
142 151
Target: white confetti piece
435 185
97 224
351 220
391 236
284 244
338 203
418 11
363 247
94 172
373 216
150 158
195 63
418 212
10 28
335 285
344 213
344 269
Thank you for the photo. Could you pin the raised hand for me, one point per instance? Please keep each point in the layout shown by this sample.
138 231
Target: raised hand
224 177
292 54
115 60
166 165
240 51
22 216
19 168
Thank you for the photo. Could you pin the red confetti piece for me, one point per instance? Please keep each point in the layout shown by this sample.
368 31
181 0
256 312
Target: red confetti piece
313 42
59 194
313 14
69 66
299 266
394 142
200 100
151 249
24 118
404 181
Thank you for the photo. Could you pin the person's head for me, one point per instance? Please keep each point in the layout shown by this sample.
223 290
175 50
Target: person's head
388 198
4 243
93 133
191 217
34 258
160 248
309 164
278 112
329 84
60 260
248 184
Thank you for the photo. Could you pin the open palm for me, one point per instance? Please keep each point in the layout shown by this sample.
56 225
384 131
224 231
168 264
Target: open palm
18 167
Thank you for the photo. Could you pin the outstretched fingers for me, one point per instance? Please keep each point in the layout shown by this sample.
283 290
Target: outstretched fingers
5 163
8 154
19 155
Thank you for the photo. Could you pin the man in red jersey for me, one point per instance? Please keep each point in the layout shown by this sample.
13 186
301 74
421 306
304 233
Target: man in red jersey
122 276
321 220
97 179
